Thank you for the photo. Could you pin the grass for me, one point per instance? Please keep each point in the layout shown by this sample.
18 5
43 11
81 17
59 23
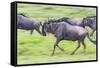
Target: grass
37 49
33 49
41 12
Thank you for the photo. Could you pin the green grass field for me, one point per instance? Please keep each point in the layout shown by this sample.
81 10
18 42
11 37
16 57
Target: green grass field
35 48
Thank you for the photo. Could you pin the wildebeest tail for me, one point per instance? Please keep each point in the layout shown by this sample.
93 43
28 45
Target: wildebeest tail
93 41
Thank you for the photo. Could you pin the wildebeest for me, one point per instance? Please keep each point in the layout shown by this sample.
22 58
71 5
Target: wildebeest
65 31
90 21
26 23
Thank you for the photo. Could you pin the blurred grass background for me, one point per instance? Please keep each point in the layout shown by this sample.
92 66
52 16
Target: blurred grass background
33 49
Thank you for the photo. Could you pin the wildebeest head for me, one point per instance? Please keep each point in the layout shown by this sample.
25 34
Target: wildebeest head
92 21
89 21
45 28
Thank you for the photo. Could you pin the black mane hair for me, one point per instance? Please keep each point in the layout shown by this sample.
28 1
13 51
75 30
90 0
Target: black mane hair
22 14
65 19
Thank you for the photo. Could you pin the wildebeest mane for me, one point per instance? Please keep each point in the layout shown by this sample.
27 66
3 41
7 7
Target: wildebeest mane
90 16
22 14
65 19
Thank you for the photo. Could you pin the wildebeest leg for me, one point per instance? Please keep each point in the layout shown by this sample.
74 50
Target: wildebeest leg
84 45
38 30
92 33
60 48
32 31
76 48
56 43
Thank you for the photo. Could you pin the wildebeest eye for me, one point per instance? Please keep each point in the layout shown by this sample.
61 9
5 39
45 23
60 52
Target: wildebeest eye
48 23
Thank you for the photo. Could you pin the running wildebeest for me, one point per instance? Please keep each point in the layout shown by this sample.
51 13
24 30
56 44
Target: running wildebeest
65 31
90 21
26 23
